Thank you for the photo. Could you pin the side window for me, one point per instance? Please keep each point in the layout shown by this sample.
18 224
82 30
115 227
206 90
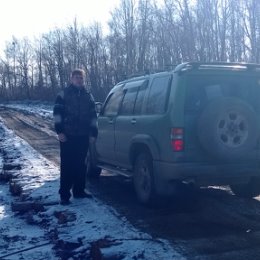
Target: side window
130 98
158 94
129 101
140 99
113 103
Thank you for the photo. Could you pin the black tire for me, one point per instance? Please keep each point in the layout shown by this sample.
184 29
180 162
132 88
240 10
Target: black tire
228 129
247 190
144 180
92 171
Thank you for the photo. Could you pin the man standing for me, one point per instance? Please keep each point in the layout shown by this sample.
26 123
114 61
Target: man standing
76 125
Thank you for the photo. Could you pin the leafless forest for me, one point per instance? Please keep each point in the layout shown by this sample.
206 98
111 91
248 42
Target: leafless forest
143 37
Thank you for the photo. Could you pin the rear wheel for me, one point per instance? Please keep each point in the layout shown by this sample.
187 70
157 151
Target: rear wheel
143 179
247 190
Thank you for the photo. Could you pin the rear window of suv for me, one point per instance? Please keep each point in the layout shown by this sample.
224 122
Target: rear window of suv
203 88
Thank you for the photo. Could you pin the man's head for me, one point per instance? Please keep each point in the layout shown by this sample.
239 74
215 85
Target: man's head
78 78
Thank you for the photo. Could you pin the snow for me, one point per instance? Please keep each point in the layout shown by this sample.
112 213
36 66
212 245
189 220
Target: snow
15 234
87 220
32 107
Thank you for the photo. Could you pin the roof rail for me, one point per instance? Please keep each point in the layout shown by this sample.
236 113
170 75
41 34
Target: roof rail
217 65
147 72
138 74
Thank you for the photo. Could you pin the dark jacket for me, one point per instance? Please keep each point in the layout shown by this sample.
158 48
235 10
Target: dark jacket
74 112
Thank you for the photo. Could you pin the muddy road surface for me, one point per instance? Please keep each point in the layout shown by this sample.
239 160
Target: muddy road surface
208 223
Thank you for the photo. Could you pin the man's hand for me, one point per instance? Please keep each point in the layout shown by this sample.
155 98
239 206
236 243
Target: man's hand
62 137
92 140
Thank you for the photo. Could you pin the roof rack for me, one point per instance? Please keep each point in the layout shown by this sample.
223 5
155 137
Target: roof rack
217 65
147 72
138 74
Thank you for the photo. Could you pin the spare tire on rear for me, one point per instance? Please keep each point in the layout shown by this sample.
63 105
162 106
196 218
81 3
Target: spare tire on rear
228 129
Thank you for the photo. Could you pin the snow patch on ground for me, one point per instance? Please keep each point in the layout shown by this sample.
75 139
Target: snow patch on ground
33 107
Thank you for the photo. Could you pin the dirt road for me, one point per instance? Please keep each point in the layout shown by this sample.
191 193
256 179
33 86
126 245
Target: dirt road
209 223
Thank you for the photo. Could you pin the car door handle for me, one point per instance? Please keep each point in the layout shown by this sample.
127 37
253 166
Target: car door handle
111 121
133 121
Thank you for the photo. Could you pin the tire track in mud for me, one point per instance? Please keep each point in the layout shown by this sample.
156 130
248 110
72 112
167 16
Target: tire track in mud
38 132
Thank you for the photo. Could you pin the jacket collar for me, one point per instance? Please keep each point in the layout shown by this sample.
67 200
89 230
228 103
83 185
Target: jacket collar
76 89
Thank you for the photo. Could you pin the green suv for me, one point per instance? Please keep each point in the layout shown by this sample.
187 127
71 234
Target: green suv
199 123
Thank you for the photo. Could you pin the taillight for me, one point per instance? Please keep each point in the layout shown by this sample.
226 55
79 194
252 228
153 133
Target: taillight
177 142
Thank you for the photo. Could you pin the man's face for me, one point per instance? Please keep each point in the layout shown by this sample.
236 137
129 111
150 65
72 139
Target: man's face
78 81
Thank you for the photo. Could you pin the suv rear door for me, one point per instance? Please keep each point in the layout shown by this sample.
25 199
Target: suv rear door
126 124
142 118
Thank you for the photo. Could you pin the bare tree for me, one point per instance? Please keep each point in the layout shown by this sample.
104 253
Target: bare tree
49 62
252 28
123 26
24 63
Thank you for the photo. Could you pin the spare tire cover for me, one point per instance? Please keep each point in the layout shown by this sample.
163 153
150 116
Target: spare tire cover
228 128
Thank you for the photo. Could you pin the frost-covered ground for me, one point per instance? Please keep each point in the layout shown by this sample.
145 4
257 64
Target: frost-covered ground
33 107
86 229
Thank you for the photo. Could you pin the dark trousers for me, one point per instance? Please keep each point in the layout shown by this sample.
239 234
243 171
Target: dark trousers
72 167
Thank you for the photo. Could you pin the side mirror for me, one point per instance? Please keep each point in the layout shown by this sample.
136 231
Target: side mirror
98 107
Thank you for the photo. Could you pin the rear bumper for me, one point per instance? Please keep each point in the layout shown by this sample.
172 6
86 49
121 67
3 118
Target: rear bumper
203 174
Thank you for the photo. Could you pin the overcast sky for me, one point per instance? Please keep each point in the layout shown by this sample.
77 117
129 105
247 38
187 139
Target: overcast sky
33 17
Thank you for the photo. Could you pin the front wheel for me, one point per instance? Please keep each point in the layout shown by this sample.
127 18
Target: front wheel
247 190
144 179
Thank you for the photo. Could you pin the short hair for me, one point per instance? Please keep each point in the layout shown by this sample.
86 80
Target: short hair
79 72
